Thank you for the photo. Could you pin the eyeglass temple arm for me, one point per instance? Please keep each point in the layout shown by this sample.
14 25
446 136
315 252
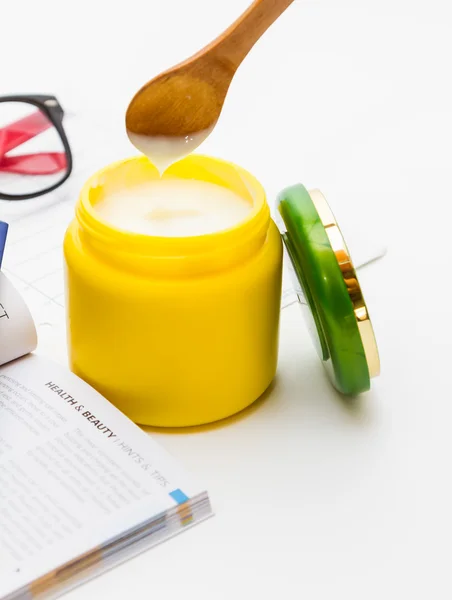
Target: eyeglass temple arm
21 131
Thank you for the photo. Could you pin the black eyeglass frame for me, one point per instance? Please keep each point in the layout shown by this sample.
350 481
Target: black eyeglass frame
50 106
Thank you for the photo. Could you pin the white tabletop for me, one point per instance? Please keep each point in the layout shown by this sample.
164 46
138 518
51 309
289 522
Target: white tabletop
315 496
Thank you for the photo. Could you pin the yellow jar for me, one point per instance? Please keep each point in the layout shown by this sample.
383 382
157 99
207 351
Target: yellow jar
174 331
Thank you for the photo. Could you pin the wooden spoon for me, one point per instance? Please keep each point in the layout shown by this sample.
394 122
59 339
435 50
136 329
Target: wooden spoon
180 107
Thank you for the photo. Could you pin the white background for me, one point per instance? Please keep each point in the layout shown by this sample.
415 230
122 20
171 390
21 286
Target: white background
315 497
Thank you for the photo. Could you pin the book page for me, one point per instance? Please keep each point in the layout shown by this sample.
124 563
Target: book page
75 473
17 330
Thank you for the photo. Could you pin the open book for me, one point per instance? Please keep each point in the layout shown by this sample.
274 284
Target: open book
82 488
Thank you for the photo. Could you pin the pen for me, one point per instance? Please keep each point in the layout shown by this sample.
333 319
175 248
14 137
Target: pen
3 233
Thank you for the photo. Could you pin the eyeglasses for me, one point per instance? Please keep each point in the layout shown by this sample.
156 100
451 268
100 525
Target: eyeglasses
35 157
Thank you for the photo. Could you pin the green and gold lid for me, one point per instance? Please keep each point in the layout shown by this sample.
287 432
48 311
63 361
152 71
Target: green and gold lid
329 290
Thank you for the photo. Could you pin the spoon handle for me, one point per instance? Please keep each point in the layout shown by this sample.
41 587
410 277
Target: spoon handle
234 44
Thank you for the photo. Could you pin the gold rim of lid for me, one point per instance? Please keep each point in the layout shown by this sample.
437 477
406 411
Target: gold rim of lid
351 281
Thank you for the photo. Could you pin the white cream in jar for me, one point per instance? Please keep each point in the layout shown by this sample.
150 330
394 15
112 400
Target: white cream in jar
173 208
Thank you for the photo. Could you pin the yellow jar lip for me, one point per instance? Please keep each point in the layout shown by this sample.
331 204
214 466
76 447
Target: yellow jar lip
191 253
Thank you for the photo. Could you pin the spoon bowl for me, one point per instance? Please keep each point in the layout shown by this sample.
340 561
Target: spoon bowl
174 113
